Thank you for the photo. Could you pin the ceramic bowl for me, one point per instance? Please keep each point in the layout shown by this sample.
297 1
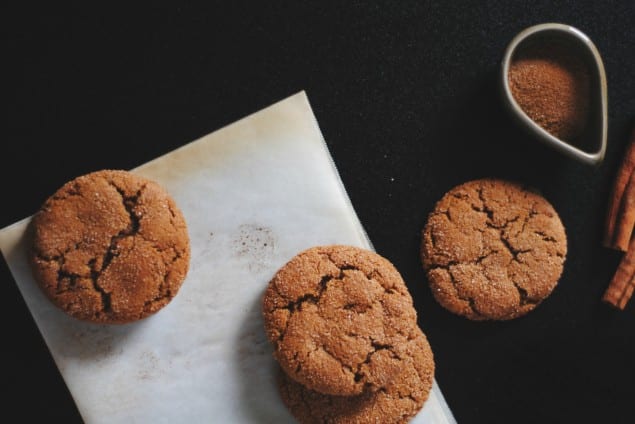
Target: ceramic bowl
593 146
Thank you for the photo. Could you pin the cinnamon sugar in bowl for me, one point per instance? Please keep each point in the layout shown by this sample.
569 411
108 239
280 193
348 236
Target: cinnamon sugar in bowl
554 85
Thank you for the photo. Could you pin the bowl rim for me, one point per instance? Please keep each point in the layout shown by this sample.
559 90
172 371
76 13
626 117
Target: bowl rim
592 158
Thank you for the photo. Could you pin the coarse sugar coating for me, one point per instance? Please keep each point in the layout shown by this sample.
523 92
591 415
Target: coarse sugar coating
492 249
335 316
110 247
398 402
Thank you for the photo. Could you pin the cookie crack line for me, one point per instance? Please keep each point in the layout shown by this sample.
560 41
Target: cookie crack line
61 274
57 258
487 210
469 300
490 224
435 243
358 375
376 346
524 296
168 291
129 203
296 304
511 249
350 267
72 280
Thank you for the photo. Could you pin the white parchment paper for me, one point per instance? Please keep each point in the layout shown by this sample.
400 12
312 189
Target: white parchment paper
254 194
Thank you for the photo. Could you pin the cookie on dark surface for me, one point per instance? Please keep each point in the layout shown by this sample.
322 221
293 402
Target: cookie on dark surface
110 247
399 401
335 316
492 250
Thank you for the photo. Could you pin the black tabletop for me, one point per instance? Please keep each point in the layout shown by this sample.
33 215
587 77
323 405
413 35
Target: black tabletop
405 94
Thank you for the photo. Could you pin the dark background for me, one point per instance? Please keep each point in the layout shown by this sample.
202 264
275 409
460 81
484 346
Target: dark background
405 94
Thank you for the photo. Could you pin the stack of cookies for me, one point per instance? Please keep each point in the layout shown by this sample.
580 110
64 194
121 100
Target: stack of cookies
345 333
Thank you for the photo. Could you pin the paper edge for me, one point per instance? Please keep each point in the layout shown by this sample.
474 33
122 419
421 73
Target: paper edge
187 145
360 228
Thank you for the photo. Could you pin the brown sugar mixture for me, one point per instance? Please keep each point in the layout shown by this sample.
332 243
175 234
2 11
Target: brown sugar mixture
552 87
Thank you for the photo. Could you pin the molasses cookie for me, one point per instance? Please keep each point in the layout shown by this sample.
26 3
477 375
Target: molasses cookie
399 401
110 247
335 316
492 250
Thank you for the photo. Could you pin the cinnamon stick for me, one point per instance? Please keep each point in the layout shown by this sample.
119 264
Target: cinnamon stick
626 217
615 203
621 287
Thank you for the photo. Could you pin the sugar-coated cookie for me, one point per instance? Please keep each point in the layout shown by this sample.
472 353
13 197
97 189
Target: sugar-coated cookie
335 316
492 249
399 401
110 247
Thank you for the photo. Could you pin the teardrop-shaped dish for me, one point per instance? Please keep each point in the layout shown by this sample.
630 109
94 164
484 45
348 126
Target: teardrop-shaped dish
595 131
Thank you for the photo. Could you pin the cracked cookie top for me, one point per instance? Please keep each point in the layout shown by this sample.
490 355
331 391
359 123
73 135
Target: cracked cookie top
399 401
492 249
110 247
337 316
